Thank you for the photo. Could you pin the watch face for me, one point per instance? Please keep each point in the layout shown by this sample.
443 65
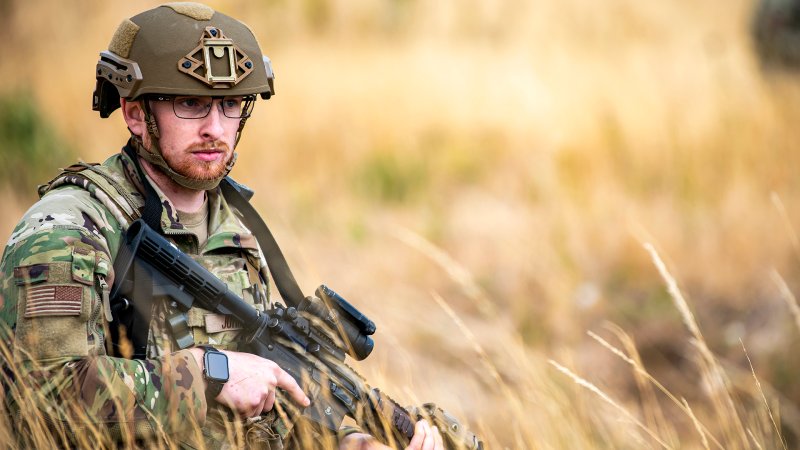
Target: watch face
216 366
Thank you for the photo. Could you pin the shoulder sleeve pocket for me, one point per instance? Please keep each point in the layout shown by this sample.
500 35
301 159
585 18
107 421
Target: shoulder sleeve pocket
53 308
83 260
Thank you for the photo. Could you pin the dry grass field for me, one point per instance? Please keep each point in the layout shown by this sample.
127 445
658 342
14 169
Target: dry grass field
496 185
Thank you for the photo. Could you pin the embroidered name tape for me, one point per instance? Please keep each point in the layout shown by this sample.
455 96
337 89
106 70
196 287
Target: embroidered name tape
218 322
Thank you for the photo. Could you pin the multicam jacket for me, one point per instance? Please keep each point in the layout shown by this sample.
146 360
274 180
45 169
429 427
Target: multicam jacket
55 273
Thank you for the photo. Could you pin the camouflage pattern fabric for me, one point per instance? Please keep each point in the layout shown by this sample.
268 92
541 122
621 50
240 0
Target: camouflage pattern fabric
55 270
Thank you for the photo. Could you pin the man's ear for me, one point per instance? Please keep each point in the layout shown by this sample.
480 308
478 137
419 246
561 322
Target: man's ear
133 112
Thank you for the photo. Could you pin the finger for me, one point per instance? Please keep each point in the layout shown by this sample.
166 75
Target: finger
419 436
428 443
259 407
269 402
288 384
437 438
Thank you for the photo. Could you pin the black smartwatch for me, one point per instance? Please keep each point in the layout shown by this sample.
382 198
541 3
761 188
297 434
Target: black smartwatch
215 370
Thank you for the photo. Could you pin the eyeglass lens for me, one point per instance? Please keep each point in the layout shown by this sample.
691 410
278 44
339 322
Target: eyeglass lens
187 107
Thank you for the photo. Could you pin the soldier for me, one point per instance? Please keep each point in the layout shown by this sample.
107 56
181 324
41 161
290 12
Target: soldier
185 78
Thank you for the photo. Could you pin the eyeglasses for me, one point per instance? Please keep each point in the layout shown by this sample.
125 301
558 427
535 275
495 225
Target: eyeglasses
190 107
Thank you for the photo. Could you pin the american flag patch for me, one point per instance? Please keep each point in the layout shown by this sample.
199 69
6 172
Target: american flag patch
53 301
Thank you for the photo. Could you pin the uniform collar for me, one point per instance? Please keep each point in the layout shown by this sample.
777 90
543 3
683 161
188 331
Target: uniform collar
225 228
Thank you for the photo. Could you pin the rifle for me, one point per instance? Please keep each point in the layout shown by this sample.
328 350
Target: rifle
309 340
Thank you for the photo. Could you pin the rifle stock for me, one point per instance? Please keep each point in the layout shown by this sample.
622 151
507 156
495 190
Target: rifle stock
309 340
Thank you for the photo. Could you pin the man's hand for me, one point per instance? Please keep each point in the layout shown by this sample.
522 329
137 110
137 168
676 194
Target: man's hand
250 390
425 438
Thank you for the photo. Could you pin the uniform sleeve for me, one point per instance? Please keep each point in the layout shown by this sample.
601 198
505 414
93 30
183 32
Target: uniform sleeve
54 269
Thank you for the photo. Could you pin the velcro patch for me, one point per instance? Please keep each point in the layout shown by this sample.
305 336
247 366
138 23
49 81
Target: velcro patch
53 300
218 322
31 274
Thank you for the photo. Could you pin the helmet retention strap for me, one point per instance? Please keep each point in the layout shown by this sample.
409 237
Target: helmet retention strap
150 121
239 131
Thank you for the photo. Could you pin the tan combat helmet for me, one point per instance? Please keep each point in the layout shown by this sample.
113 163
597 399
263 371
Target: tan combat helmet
181 48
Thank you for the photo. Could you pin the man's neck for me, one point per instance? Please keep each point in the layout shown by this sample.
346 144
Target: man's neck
182 198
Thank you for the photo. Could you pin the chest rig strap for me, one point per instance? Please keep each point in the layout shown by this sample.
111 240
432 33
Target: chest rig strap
132 316
152 205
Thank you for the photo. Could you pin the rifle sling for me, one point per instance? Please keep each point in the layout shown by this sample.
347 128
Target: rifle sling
238 196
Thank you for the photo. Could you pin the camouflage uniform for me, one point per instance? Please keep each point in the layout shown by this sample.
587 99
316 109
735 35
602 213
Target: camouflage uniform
55 274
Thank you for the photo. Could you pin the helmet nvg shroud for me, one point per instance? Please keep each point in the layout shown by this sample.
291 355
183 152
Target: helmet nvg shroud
181 49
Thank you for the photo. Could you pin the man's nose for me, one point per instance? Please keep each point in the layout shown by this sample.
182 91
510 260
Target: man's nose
212 128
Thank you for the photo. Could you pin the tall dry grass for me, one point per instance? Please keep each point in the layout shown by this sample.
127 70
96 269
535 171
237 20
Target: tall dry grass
477 176
539 409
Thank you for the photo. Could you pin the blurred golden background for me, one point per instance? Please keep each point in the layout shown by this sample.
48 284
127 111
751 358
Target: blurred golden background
479 177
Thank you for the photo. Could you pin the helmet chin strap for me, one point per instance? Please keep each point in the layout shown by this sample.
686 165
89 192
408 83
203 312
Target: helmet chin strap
154 155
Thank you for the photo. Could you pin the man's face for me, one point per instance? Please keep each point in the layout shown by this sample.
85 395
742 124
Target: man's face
195 148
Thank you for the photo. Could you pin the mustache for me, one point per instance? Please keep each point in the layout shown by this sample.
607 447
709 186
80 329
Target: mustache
210 146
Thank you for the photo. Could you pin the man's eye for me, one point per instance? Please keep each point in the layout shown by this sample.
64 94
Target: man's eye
231 102
188 102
